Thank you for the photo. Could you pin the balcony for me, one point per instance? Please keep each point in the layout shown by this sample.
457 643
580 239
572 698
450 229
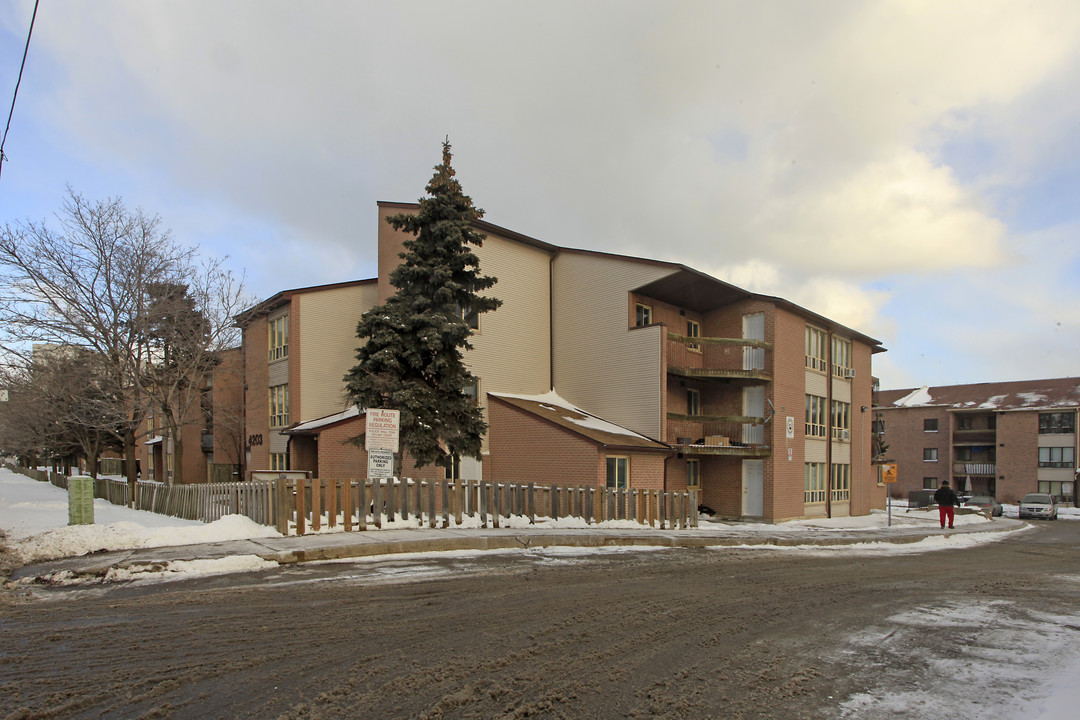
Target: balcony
974 468
718 435
974 437
703 358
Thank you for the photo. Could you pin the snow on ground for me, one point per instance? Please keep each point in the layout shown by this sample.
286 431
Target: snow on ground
34 516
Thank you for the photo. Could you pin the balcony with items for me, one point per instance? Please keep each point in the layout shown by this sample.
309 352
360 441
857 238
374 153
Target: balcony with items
739 436
711 358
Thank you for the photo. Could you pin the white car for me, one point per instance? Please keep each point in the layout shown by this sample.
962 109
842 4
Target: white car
1038 505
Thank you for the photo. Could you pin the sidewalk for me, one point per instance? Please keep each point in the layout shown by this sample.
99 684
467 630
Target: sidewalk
333 546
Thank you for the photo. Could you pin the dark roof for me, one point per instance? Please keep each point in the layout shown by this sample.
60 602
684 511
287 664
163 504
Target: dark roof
1015 395
555 410
280 298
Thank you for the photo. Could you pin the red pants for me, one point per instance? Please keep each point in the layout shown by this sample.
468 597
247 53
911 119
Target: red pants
947 512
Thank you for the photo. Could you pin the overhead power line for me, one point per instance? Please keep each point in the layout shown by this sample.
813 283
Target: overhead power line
26 49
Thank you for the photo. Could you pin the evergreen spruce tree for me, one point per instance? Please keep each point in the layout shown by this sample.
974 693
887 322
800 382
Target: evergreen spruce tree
412 358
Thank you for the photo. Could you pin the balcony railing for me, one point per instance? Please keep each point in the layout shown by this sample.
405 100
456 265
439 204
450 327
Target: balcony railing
711 357
970 468
717 434
974 437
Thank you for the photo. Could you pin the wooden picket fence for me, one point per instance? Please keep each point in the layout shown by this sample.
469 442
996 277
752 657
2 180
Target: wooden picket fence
302 505
309 504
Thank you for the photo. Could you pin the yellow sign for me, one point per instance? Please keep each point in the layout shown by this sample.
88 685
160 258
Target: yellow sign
888 473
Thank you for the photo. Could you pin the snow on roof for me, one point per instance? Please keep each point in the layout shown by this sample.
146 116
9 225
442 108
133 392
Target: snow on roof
352 412
556 408
915 397
993 401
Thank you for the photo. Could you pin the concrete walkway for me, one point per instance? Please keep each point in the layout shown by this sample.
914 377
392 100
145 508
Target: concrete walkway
331 546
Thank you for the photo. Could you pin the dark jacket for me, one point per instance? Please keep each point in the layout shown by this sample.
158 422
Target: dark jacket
944 495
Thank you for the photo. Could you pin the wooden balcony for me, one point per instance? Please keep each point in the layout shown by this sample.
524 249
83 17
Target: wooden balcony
974 468
705 358
974 437
718 435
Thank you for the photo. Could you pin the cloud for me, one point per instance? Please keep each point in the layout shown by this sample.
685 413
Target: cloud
835 154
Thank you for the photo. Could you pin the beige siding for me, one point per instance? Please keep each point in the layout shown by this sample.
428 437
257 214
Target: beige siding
328 342
279 372
841 390
511 349
815 451
841 453
816 384
600 364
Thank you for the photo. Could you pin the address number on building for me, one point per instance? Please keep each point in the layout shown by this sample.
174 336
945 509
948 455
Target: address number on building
254 440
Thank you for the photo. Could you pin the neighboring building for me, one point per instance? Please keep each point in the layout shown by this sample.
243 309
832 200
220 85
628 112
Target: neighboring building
596 369
213 430
1001 439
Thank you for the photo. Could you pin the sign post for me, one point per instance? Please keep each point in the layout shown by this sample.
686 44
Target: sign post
381 440
888 476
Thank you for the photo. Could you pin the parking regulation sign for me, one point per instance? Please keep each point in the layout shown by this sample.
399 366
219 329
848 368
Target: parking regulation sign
380 464
382 429
888 473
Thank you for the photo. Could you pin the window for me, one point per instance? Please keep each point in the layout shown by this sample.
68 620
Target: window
929 483
929 454
470 316
693 402
472 390
618 472
693 330
279 406
1057 423
814 488
963 422
1061 490
644 315
929 425
1057 457
841 420
841 482
815 348
279 461
693 475
841 357
878 427
454 471
815 416
279 338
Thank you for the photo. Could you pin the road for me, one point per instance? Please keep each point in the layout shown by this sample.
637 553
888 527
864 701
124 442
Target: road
661 634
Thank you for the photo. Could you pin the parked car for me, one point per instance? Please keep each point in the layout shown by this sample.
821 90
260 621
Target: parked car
986 504
1038 505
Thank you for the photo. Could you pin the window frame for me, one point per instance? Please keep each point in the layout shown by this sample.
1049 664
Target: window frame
841 482
278 337
930 483
693 330
815 488
930 454
841 357
1061 427
815 345
693 402
841 420
816 414
930 425
622 461
279 461
642 315
1060 462
693 476
278 405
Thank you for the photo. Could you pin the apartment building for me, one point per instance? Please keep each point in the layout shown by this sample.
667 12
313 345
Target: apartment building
1003 439
212 444
597 369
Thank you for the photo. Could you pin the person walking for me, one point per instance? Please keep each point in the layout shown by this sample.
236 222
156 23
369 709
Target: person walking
947 502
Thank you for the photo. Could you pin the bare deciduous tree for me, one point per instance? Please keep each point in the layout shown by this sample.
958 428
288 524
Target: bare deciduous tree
106 282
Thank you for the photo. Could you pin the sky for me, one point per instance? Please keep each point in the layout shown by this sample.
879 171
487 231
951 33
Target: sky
908 168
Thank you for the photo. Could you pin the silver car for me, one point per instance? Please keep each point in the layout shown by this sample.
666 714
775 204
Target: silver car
1038 505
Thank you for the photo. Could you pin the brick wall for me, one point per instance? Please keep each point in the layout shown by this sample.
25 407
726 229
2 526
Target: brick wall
256 401
1017 455
907 440
526 449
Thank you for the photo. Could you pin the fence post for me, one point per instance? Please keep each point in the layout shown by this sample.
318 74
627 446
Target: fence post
301 505
531 502
693 509
362 504
405 498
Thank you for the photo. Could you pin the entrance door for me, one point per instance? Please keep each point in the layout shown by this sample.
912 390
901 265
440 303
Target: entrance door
753 329
753 488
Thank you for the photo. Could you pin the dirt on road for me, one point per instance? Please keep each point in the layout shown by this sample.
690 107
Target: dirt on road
662 634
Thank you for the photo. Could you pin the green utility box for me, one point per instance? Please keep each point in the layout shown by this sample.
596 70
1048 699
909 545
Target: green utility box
80 500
